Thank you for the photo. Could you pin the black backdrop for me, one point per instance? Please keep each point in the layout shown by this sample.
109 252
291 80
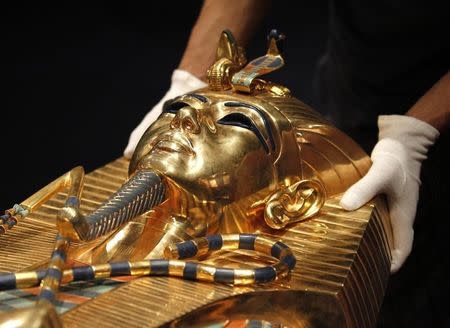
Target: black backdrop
76 81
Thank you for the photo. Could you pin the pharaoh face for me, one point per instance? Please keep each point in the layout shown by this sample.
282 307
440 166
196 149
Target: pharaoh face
221 147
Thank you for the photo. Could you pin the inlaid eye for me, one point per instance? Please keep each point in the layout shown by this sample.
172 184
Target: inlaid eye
242 121
237 119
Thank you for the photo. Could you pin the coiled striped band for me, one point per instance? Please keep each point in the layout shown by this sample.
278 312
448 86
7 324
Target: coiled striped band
174 264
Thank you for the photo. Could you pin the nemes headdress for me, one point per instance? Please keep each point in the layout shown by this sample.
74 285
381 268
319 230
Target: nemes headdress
306 146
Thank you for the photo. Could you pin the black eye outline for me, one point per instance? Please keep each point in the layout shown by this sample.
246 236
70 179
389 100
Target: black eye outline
260 113
173 107
242 121
198 97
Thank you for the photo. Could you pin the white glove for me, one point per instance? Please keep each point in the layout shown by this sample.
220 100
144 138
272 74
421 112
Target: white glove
403 142
182 82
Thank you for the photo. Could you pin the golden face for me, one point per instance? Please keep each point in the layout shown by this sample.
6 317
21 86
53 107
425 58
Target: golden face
221 148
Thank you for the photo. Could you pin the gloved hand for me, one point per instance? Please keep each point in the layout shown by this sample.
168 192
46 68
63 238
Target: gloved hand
403 142
182 82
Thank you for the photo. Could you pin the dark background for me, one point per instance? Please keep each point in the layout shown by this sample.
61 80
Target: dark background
76 81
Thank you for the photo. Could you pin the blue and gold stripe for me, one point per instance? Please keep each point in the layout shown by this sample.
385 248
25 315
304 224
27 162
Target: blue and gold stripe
265 274
247 241
215 242
173 266
224 275
11 217
52 279
8 281
190 271
120 269
159 267
83 273
187 250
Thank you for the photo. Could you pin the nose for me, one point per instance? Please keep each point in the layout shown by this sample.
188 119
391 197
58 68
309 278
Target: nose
187 120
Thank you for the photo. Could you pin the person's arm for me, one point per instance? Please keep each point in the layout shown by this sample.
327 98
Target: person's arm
434 106
402 146
241 17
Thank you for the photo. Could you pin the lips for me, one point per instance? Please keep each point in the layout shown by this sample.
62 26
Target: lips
174 142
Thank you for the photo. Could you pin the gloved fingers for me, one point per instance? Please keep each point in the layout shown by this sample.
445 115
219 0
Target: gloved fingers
365 189
402 211
137 133
135 136
398 258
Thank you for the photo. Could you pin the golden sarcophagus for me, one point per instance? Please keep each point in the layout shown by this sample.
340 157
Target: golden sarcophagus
226 216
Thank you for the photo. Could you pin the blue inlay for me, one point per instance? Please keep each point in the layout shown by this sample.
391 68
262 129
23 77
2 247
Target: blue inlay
224 275
72 201
120 269
41 274
47 294
54 273
7 281
274 33
60 254
11 223
5 217
83 273
257 324
265 274
258 61
190 271
186 249
278 36
277 248
242 121
199 97
277 62
247 241
215 242
261 113
171 106
159 267
59 237
289 260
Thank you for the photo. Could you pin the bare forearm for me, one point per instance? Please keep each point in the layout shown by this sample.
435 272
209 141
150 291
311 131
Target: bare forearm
241 17
434 106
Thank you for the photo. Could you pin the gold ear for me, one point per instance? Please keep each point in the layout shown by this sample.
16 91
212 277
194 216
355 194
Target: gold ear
297 202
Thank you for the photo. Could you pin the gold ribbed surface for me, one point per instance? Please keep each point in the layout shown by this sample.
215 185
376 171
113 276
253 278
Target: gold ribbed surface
145 303
339 253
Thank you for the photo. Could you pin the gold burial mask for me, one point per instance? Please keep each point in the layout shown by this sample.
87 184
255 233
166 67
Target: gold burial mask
240 156
261 150
224 148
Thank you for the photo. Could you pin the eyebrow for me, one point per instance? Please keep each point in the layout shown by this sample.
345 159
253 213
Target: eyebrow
260 113
172 106
199 97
